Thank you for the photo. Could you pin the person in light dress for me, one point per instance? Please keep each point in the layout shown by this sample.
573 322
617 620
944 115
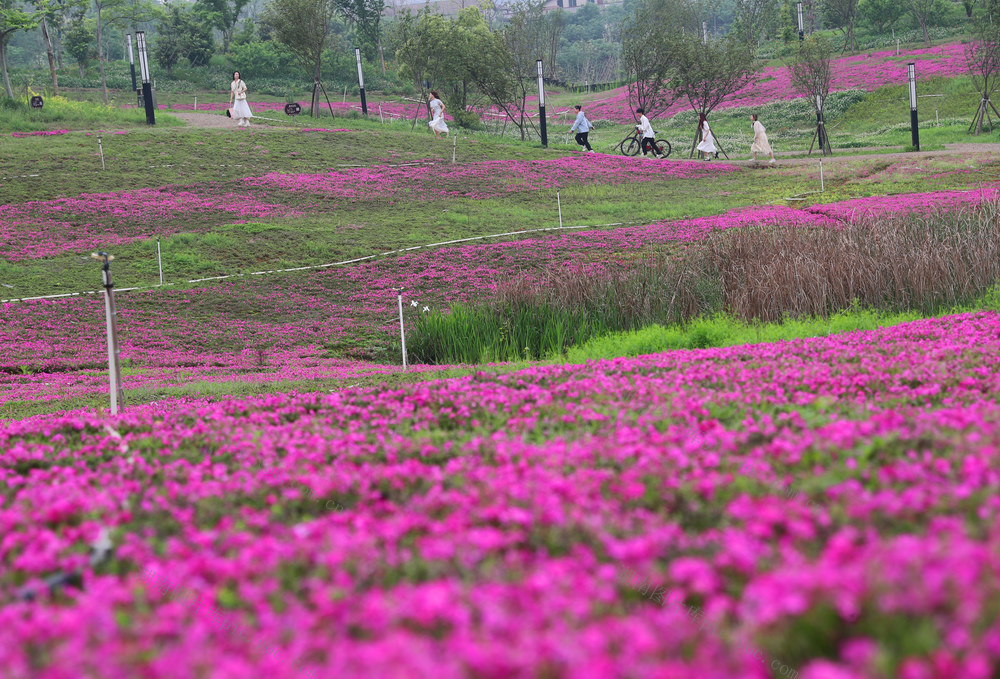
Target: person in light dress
707 145
437 124
238 101
760 143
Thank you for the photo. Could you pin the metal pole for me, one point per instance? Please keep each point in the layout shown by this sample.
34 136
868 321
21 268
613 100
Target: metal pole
159 259
911 69
147 90
111 322
361 81
802 26
345 94
821 186
704 32
100 147
380 118
196 102
541 104
454 147
131 60
402 331
559 205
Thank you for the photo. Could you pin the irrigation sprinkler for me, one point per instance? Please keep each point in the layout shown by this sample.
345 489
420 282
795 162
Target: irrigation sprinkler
911 70
100 147
111 320
541 104
402 330
559 207
159 259
361 81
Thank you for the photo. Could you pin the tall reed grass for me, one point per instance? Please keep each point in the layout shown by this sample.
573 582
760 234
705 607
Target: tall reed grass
924 263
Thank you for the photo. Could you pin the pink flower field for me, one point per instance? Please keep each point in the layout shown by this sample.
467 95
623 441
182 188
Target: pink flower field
815 509
863 71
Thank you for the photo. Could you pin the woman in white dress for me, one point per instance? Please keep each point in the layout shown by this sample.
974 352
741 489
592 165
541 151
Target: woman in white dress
238 101
760 143
437 123
707 145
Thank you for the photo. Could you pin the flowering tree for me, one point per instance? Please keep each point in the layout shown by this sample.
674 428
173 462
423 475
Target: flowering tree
649 35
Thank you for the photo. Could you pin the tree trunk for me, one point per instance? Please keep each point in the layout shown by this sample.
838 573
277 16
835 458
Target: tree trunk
52 57
226 37
59 47
314 104
82 73
381 57
3 65
923 25
100 56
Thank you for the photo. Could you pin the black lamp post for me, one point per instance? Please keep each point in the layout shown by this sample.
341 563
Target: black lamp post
802 26
541 104
361 81
147 88
911 70
131 60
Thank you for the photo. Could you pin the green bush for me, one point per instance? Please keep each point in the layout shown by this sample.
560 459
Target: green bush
469 120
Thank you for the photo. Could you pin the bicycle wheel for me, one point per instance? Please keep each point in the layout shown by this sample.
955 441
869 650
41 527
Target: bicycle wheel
663 146
631 146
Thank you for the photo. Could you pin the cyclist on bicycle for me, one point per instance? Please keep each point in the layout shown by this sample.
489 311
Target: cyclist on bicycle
646 132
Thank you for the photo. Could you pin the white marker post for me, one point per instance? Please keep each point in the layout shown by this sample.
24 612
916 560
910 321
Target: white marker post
380 118
454 148
402 330
196 102
159 259
559 206
821 187
111 319
100 147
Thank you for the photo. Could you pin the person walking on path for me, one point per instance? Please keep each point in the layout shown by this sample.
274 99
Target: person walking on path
582 127
238 101
707 145
760 143
437 123
646 134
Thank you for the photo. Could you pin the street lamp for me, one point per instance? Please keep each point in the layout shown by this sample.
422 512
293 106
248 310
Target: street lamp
147 88
541 103
911 71
131 60
802 26
361 81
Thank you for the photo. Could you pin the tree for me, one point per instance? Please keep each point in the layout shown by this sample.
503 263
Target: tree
222 15
13 18
921 10
846 13
79 42
180 34
752 16
810 75
303 26
881 15
649 37
706 72
55 13
366 15
101 6
982 55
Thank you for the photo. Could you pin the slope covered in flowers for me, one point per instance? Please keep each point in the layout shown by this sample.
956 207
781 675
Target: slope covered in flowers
867 71
820 509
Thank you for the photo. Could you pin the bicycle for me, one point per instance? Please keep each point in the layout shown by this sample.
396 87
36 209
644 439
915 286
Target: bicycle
631 145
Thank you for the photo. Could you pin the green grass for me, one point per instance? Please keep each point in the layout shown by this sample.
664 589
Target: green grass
62 113
723 331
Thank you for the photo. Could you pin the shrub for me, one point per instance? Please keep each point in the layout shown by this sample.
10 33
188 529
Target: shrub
469 120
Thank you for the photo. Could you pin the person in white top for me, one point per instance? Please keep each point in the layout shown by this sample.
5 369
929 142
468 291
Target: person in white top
646 134
582 127
707 145
760 143
437 123
238 101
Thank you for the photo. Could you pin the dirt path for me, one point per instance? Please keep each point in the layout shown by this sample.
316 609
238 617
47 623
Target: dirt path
216 120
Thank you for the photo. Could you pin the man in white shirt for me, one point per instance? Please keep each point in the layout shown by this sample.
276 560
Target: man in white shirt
646 135
582 127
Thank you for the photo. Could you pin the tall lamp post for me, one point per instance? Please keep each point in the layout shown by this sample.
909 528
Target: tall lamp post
131 60
911 71
541 104
802 26
361 81
147 88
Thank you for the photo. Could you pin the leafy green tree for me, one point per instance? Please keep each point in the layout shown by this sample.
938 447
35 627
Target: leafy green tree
13 17
811 75
881 15
303 27
222 15
366 15
181 34
79 42
650 36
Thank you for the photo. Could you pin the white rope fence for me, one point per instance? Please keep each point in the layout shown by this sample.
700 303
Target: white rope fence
323 266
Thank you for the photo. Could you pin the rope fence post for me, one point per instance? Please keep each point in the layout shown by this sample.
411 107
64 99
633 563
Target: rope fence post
111 321
559 207
402 330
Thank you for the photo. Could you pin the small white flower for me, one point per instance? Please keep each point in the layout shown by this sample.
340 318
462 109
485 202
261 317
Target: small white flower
413 302
426 309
